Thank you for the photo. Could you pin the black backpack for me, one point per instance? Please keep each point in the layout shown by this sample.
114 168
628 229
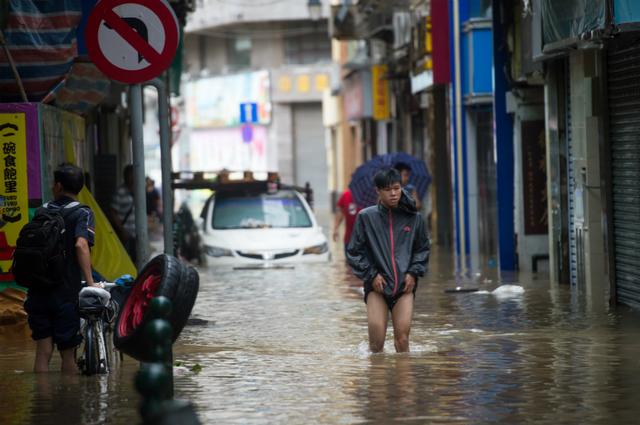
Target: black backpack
39 258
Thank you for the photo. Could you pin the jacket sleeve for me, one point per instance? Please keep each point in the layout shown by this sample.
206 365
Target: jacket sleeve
358 253
420 250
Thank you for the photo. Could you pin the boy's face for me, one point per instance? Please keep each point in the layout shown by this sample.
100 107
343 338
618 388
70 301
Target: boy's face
390 195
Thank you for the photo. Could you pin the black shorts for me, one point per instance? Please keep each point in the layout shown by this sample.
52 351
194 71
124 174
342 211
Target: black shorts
389 299
54 315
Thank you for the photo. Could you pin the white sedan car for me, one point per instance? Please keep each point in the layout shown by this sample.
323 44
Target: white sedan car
265 229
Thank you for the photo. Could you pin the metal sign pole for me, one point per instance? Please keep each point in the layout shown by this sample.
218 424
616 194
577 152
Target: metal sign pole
165 163
139 182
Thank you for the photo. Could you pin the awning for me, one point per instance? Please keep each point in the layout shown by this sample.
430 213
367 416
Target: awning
41 37
83 88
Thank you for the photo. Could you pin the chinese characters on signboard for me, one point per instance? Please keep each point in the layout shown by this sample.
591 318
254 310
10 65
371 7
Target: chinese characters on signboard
381 107
14 204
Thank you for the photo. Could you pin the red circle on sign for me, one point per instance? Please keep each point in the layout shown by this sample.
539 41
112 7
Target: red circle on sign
159 62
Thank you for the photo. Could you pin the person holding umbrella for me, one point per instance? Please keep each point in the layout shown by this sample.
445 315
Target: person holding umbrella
415 177
389 251
405 173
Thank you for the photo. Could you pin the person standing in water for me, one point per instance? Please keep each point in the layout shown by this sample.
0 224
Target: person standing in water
389 251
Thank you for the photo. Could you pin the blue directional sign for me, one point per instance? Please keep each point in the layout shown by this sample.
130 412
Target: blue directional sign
248 113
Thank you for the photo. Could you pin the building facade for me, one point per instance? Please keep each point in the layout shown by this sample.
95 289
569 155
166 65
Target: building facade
436 62
253 95
591 97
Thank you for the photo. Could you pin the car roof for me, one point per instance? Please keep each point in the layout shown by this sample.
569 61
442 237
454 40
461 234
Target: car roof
247 191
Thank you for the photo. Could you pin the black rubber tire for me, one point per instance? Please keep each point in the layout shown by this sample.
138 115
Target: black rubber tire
184 300
177 283
90 352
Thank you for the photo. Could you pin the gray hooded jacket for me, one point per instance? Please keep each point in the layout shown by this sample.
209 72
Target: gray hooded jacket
390 242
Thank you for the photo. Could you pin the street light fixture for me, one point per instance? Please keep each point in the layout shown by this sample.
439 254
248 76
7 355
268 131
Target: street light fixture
315 9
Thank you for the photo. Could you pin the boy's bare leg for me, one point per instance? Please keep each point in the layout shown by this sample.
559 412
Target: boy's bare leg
401 316
377 317
69 365
44 351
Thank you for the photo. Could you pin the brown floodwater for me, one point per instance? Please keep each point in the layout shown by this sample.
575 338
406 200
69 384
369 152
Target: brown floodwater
290 347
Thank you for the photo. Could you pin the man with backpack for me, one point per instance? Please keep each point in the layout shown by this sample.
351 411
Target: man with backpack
52 258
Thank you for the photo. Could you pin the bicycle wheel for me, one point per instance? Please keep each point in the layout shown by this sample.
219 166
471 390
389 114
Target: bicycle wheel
90 351
101 345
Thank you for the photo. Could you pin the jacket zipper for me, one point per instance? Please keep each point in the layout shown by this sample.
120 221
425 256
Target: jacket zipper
393 254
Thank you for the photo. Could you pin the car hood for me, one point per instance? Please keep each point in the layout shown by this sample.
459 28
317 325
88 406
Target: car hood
265 239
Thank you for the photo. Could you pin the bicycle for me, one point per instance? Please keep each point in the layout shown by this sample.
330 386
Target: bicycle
98 312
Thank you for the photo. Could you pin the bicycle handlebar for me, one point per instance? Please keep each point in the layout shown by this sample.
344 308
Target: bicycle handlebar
103 284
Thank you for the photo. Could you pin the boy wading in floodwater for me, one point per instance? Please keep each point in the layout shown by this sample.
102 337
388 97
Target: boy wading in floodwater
389 251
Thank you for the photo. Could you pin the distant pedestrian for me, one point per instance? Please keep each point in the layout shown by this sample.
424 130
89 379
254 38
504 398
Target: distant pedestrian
153 199
346 211
122 213
405 173
52 306
389 251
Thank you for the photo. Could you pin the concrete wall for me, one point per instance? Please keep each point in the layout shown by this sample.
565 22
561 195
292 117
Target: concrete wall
204 53
587 98
267 52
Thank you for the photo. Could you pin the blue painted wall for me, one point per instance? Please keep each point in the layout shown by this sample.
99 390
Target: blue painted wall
476 77
503 124
483 61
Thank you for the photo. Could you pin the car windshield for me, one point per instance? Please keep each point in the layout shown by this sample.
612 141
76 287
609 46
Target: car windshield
281 210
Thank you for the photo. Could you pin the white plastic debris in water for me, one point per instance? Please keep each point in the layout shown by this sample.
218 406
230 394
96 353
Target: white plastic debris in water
504 291
508 290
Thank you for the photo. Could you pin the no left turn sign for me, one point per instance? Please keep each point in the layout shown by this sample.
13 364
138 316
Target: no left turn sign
132 41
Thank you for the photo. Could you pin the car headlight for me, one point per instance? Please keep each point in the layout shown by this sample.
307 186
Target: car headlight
317 249
215 251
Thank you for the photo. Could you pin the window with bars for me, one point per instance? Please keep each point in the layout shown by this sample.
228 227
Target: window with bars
307 49
239 53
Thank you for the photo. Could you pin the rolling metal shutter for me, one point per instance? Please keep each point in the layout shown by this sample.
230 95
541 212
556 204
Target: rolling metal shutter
310 153
624 127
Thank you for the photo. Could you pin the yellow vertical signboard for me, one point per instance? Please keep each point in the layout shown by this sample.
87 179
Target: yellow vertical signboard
428 45
14 194
381 107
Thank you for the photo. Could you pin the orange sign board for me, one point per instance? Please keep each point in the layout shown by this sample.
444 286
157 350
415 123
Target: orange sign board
381 103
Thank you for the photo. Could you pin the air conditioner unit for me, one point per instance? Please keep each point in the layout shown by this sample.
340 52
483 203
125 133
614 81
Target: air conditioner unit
401 29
